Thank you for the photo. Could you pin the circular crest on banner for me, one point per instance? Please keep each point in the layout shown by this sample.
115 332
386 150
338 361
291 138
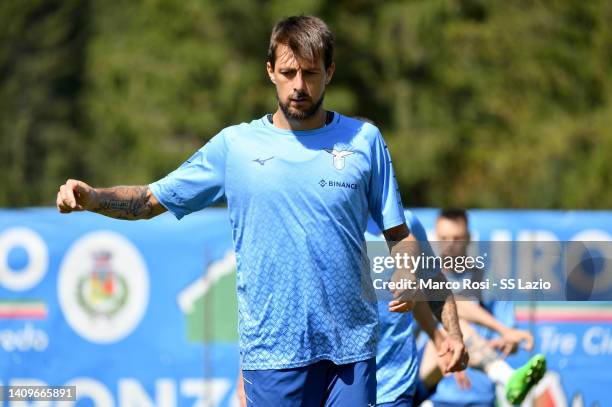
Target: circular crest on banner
103 287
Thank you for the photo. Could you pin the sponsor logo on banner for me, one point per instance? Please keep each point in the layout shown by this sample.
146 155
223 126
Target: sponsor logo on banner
103 287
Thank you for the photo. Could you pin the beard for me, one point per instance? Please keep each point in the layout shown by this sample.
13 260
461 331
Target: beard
297 114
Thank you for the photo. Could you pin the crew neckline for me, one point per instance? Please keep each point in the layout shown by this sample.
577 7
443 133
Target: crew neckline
334 122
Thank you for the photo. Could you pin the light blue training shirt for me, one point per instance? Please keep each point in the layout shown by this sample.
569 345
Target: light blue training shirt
298 206
397 362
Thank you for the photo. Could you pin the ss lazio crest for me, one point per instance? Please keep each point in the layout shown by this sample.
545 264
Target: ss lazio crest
338 157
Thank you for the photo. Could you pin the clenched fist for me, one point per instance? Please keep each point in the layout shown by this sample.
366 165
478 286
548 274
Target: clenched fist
74 196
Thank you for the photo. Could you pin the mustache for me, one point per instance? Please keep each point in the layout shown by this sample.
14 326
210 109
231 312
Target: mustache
299 95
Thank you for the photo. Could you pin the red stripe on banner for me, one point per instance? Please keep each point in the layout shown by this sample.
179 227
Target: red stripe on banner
23 314
563 317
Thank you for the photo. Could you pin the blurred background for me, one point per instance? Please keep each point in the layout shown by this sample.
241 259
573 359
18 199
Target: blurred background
483 103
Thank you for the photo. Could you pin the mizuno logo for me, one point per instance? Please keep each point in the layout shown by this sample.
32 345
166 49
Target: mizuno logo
338 157
262 161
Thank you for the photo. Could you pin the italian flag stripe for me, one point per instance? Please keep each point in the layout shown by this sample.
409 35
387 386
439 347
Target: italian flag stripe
565 312
23 310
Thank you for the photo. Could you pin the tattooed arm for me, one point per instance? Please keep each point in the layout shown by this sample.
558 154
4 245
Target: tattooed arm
431 372
445 311
133 202
441 303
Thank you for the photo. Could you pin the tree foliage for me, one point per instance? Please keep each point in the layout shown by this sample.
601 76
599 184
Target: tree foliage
482 103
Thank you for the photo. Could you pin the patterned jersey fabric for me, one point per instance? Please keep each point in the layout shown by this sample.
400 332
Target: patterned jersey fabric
298 205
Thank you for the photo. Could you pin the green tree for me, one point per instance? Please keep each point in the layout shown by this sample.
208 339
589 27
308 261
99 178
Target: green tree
41 65
483 103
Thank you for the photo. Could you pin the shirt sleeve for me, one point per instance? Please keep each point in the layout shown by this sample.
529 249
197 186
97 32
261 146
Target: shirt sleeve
197 183
384 199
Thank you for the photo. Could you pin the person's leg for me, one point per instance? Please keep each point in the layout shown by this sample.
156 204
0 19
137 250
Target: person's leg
429 371
303 386
353 384
425 390
525 378
517 382
482 357
481 354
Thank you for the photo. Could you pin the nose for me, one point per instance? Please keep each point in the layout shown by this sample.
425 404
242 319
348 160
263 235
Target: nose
298 81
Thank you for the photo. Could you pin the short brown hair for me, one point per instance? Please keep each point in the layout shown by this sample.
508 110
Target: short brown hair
307 36
454 214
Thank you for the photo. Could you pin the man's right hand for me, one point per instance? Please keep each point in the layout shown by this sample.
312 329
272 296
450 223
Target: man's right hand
74 195
453 354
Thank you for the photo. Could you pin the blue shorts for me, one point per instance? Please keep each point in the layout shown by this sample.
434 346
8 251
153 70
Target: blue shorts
320 384
468 404
404 400
423 393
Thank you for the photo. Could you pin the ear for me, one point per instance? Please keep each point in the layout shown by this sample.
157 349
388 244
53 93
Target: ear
329 72
270 72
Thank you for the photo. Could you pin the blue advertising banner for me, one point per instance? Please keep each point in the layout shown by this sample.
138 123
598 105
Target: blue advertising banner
144 313
115 307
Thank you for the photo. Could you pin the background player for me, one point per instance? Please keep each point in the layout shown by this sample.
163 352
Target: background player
495 317
397 362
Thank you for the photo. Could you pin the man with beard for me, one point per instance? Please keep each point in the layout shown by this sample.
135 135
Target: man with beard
299 185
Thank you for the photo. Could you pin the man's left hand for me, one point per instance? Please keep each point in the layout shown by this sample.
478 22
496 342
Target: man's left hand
401 305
